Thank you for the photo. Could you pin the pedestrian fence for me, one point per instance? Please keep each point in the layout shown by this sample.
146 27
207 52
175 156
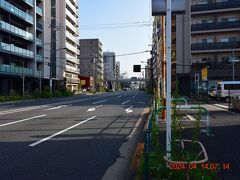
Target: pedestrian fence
189 111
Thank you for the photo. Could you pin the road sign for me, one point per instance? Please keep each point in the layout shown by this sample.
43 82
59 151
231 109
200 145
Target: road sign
204 74
136 68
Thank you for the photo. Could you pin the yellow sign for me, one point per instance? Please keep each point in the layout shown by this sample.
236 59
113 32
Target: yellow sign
83 82
204 74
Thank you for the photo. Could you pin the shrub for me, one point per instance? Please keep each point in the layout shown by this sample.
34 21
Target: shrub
46 92
66 92
57 94
3 98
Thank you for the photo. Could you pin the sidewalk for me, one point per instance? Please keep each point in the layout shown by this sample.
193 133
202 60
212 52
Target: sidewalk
223 145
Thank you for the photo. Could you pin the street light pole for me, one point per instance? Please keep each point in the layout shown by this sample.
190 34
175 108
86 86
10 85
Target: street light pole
168 93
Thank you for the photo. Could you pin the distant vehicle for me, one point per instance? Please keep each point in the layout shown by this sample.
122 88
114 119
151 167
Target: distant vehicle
228 89
125 89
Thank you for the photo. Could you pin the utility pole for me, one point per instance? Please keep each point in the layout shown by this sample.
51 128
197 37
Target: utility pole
53 44
23 81
168 92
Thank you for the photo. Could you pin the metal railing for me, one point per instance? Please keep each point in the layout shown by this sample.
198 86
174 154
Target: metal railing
216 6
216 25
11 48
4 68
216 45
16 11
8 27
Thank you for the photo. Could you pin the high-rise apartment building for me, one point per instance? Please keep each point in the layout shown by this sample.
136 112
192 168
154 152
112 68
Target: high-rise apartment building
215 38
91 59
21 45
63 38
109 59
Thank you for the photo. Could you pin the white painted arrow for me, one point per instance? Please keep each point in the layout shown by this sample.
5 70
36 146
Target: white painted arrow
129 110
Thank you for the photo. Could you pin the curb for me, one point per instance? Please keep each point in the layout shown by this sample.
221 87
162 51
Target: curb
120 170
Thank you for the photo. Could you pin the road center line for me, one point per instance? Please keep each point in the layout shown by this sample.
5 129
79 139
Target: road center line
125 102
60 132
27 119
99 102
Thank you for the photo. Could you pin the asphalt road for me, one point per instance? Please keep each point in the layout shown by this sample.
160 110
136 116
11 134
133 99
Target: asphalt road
81 137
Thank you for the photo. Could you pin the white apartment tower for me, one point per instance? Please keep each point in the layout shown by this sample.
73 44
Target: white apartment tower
64 41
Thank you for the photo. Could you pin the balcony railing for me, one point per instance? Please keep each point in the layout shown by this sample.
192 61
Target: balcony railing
39 26
39 57
216 6
10 48
216 45
214 26
30 2
72 69
39 42
73 80
4 68
39 10
16 30
16 11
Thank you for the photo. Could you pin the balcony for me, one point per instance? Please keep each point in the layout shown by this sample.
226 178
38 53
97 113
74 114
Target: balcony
72 37
72 59
216 6
72 48
29 2
71 16
39 42
73 80
71 6
216 26
39 11
72 69
39 58
216 46
10 48
16 11
8 69
39 26
17 31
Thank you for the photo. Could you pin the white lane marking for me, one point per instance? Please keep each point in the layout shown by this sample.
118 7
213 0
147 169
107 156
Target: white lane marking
7 106
119 96
99 102
221 106
22 109
27 119
134 129
129 110
57 107
224 110
60 132
125 102
93 108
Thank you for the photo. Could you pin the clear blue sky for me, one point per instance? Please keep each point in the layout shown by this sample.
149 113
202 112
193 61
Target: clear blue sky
120 40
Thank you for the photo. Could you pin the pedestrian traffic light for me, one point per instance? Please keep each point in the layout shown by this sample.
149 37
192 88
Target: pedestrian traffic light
136 68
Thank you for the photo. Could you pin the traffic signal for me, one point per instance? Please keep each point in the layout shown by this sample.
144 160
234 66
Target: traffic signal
136 68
